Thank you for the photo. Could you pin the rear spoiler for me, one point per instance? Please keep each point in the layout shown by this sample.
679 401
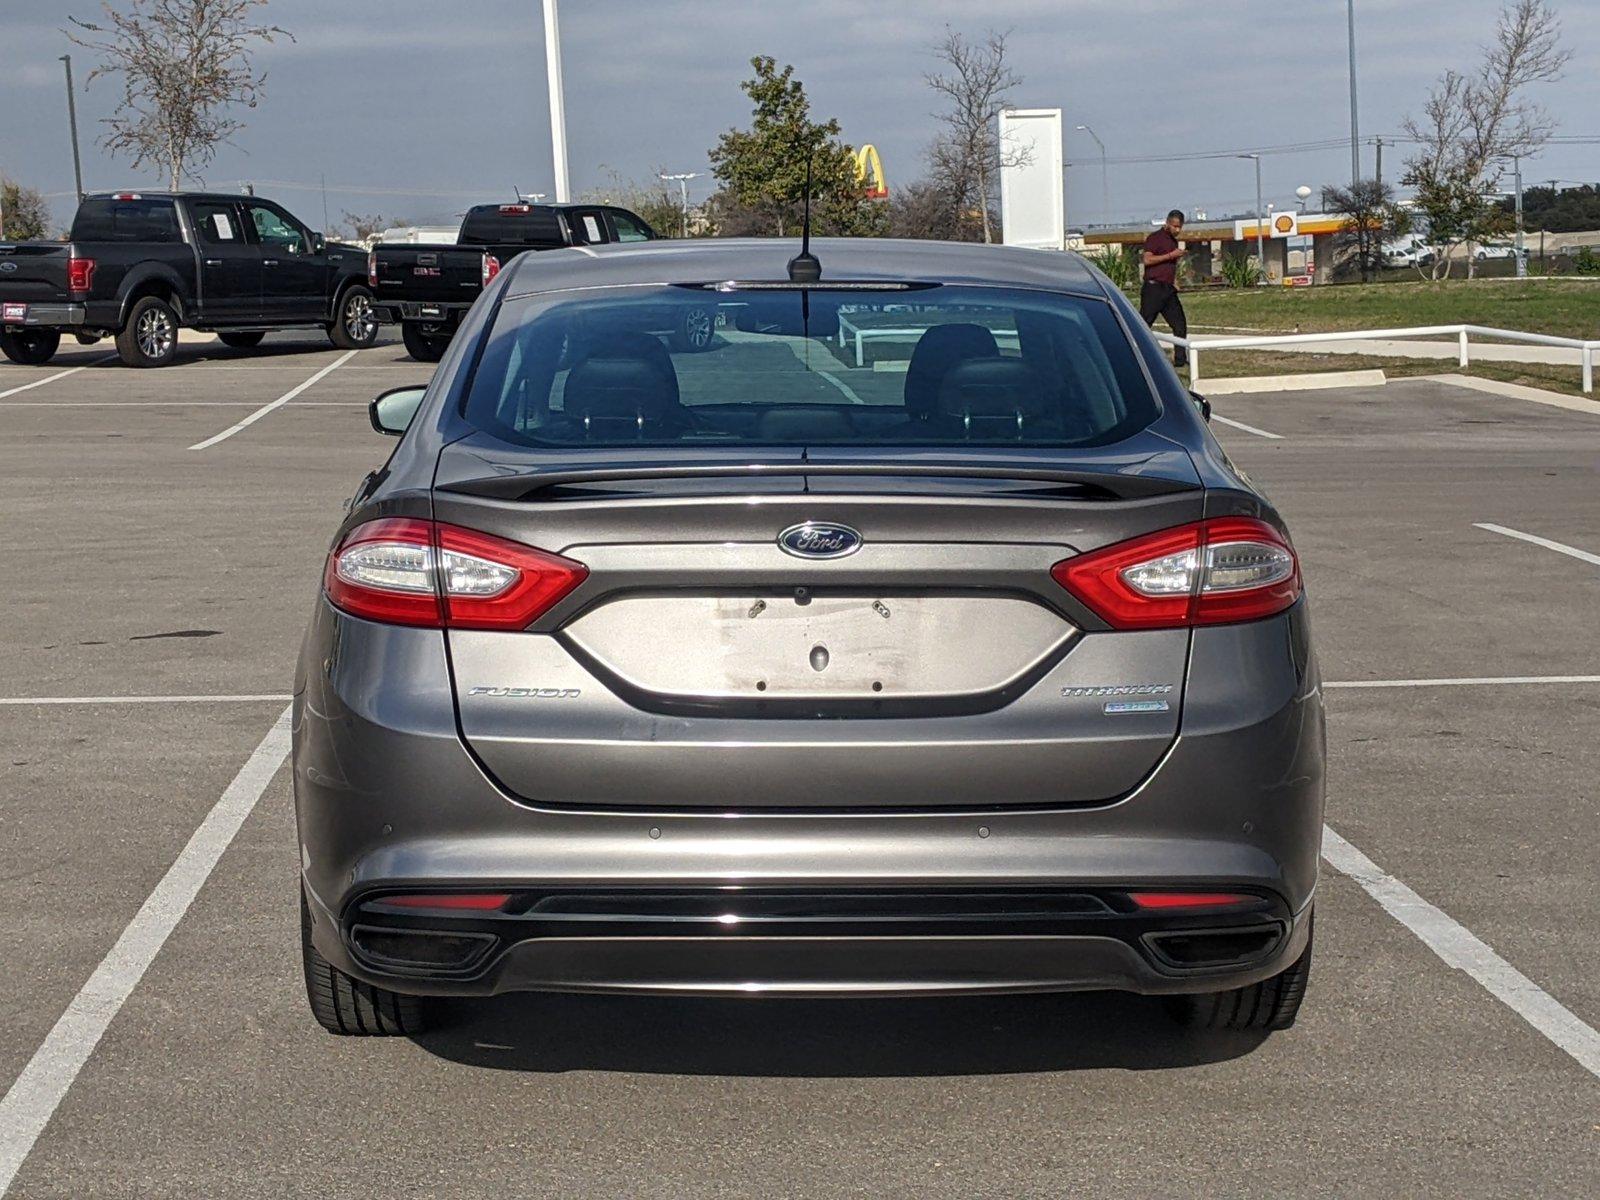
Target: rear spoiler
1108 484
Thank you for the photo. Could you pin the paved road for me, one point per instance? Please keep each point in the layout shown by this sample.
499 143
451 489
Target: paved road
140 567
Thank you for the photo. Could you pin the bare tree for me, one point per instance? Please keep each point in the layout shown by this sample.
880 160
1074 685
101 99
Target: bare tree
1474 123
361 226
1370 219
966 158
185 65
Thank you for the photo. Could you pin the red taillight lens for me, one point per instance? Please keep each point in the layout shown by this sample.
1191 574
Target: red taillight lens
491 268
1212 572
410 572
80 274
372 268
476 901
1187 899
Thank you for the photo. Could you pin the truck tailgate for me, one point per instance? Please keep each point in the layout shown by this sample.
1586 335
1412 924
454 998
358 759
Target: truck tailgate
442 274
34 272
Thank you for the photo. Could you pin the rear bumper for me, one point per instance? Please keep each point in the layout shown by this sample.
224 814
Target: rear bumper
480 955
51 316
392 312
389 799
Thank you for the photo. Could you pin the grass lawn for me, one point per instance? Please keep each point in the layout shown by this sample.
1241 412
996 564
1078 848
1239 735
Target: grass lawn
1222 364
1565 307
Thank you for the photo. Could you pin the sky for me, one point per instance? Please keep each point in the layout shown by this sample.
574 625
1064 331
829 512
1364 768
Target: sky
415 109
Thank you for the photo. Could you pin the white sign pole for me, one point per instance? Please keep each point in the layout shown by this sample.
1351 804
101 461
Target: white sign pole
558 108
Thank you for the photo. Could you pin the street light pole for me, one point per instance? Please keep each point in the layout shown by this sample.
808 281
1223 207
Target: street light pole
682 180
1261 232
72 120
1522 262
558 111
1105 179
1355 131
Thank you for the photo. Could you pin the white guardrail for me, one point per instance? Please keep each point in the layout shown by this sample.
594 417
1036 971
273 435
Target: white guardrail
1586 349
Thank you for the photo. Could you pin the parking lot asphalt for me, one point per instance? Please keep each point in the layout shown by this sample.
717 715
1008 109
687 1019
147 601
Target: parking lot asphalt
140 567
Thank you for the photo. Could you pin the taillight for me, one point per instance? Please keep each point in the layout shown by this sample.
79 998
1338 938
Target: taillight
1212 572
403 571
491 268
473 901
80 274
372 268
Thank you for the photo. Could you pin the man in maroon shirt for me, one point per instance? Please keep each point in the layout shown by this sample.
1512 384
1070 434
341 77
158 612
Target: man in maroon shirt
1159 296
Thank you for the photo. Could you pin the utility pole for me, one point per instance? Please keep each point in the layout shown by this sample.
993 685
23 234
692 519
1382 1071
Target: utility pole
1379 175
1261 221
1355 131
72 121
1105 178
1522 262
558 109
682 180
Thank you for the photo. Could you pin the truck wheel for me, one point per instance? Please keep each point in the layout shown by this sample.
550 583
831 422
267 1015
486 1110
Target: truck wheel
356 325
150 338
348 1007
696 330
1270 1004
241 341
29 347
425 343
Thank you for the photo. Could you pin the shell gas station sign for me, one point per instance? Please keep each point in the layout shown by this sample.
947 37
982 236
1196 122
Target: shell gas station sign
1279 225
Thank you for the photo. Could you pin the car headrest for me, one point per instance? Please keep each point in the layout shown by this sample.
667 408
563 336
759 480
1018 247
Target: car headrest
937 350
986 391
630 379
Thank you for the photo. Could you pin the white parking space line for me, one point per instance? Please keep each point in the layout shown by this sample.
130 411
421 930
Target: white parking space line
1558 547
235 699
58 375
1462 949
36 1093
278 403
169 404
1463 681
1221 420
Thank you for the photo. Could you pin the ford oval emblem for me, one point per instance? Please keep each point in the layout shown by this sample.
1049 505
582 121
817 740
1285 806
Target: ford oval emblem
819 539
8 266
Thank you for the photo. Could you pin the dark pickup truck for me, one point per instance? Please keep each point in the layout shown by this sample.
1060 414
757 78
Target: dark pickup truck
140 265
428 288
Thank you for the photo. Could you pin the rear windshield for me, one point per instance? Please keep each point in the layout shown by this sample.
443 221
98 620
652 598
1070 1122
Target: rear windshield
677 365
507 225
126 221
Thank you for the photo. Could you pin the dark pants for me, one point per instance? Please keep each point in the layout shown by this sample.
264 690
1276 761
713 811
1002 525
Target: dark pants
1161 300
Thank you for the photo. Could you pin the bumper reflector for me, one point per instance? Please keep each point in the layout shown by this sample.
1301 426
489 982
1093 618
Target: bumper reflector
1188 899
476 901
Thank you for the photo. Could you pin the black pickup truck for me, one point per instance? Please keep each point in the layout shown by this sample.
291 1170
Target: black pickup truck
140 265
428 288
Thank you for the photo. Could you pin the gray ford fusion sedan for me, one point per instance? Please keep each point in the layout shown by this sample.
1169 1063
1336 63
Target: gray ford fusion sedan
910 636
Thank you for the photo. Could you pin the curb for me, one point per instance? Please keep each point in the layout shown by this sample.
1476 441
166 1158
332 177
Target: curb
1292 383
1517 391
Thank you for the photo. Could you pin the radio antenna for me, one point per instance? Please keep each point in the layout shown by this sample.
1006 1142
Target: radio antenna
805 266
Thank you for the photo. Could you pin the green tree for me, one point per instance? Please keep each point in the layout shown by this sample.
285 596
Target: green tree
1371 219
25 213
762 169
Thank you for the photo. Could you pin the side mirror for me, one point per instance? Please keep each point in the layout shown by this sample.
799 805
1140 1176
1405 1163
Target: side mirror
1202 404
318 243
392 411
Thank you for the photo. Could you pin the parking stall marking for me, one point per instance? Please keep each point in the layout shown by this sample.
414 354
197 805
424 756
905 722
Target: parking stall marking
1462 681
36 1093
278 403
1220 419
1535 539
52 378
1462 949
235 699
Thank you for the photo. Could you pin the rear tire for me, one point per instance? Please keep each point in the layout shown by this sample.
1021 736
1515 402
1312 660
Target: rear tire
242 340
355 324
348 1007
29 347
1271 1004
422 345
150 338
